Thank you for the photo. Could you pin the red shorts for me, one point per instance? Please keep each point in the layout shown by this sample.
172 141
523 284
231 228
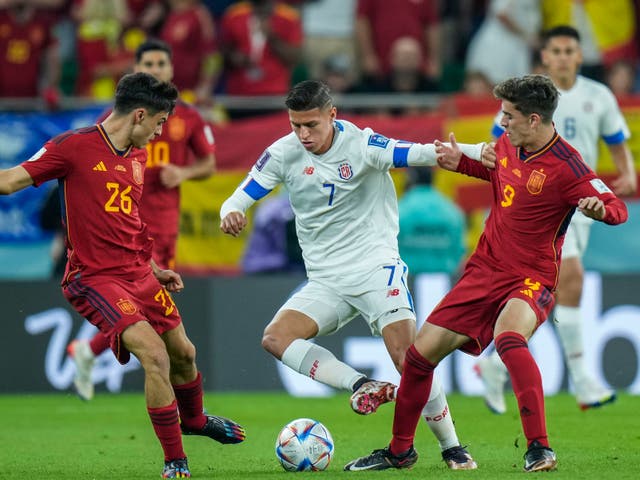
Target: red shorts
112 304
472 306
164 250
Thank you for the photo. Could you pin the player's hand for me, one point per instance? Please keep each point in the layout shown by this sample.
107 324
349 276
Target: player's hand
448 155
233 223
592 207
488 156
171 176
625 185
170 280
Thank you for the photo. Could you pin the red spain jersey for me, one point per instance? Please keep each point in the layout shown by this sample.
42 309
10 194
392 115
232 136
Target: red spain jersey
534 196
185 137
101 189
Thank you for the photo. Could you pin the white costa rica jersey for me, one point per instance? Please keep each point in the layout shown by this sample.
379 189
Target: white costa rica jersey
344 200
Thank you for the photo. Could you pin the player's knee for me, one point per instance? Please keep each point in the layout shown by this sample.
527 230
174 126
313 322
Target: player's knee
185 356
154 360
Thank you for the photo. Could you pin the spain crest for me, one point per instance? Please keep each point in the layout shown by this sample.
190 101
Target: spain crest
345 171
535 182
127 306
138 176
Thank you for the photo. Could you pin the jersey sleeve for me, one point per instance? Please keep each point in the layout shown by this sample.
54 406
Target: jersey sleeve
589 185
613 127
48 163
385 153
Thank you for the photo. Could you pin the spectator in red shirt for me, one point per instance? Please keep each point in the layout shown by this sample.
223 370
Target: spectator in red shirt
379 23
189 31
29 58
261 41
101 57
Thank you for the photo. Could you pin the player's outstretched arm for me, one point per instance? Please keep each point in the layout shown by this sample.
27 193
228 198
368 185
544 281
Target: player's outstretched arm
14 179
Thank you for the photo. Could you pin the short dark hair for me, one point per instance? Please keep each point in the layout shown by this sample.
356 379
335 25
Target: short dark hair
140 89
560 31
152 45
308 95
530 94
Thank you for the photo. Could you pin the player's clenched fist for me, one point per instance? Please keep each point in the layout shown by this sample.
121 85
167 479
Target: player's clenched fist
233 223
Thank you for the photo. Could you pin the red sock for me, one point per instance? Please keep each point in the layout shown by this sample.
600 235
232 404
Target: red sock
189 398
165 423
412 396
527 384
99 343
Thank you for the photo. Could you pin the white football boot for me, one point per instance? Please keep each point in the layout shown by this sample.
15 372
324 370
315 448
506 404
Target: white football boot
83 357
494 376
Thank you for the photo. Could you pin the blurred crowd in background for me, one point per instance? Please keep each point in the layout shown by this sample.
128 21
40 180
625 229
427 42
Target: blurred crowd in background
52 49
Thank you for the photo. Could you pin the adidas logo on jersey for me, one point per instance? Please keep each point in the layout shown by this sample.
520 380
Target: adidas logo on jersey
100 167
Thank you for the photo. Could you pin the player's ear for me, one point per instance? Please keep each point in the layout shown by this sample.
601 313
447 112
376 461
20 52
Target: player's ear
139 115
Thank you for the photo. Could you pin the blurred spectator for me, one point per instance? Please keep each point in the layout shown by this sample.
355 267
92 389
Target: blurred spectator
606 29
189 31
476 97
101 57
432 226
404 76
273 243
261 41
146 15
379 23
328 27
337 72
505 42
621 78
29 56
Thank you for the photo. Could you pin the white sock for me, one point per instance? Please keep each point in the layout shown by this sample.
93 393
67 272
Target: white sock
438 416
316 362
497 362
569 328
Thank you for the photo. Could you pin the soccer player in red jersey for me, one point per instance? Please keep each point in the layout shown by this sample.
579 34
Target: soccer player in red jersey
507 288
183 151
110 278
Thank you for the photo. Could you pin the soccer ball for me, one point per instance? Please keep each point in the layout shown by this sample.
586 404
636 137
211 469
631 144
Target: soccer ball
304 444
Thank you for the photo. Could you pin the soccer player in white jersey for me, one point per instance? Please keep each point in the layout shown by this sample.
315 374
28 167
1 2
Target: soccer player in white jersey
587 112
346 214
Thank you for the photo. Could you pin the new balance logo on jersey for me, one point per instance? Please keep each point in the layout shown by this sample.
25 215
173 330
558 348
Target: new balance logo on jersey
100 167
308 171
394 292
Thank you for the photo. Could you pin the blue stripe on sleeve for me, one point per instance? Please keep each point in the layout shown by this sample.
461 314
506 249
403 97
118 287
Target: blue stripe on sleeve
255 190
401 154
614 139
497 131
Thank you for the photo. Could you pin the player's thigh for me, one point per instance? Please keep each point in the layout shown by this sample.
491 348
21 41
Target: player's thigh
315 309
527 304
141 339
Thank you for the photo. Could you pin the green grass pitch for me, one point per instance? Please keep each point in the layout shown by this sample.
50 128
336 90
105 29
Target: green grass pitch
61 437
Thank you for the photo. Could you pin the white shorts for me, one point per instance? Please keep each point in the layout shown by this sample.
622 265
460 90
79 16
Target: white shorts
387 300
576 238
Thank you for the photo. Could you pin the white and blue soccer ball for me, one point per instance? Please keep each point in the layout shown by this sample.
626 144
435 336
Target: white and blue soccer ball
304 445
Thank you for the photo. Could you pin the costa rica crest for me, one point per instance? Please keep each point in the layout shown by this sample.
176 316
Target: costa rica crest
345 171
535 182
